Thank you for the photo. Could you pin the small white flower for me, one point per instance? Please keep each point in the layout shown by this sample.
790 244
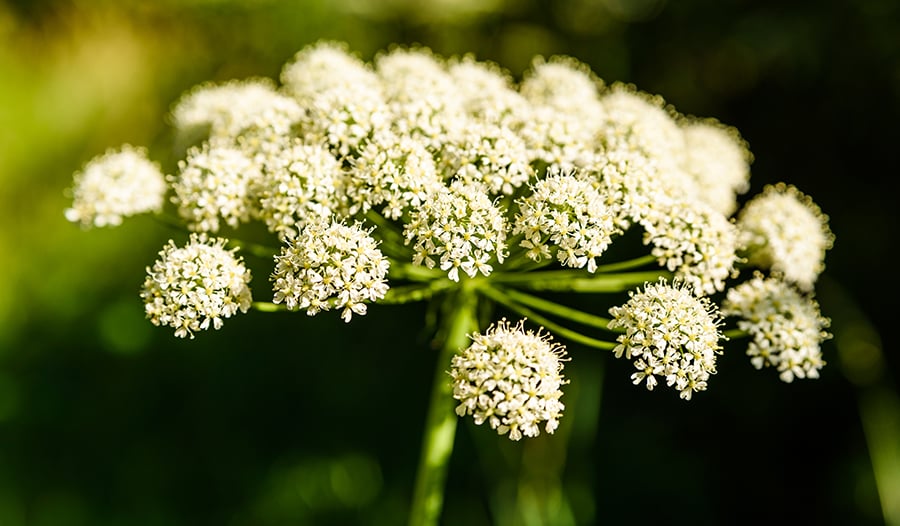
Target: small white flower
669 333
194 287
783 229
786 326
330 265
117 184
510 378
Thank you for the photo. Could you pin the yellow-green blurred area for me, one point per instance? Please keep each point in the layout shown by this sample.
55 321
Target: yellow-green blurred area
284 419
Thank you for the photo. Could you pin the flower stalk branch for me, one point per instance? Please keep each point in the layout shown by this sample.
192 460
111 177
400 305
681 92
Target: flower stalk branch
575 315
504 299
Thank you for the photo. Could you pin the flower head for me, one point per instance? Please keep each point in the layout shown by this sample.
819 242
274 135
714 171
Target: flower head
639 125
421 96
394 172
510 378
565 85
695 241
192 287
487 92
717 158
342 96
302 184
117 184
783 229
234 107
215 182
489 154
461 227
669 333
330 265
565 113
786 326
565 214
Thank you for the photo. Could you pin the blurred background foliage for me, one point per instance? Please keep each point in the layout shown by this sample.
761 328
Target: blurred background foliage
282 419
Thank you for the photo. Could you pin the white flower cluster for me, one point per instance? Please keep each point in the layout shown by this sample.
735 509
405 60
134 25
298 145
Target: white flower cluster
565 214
461 227
696 242
785 231
719 162
234 107
464 170
343 98
303 184
421 96
669 333
114 185
194 287
455 151
561 120
330 265
786 326
510 378
394 172
215 183
489 154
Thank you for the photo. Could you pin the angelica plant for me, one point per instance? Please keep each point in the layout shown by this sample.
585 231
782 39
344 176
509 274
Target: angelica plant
418 178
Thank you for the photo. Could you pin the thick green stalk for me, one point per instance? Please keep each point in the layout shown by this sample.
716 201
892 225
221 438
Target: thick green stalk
460 319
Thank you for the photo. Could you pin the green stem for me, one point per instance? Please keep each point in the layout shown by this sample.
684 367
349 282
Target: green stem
391 239
255 249
732 334
578 281
417 292
412 272
460 319
562 311
627 265
265 306
503 299
171 222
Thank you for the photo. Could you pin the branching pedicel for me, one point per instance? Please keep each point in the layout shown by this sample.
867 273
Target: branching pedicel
416 178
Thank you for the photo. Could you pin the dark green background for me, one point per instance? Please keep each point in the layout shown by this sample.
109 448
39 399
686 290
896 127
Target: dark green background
284 419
